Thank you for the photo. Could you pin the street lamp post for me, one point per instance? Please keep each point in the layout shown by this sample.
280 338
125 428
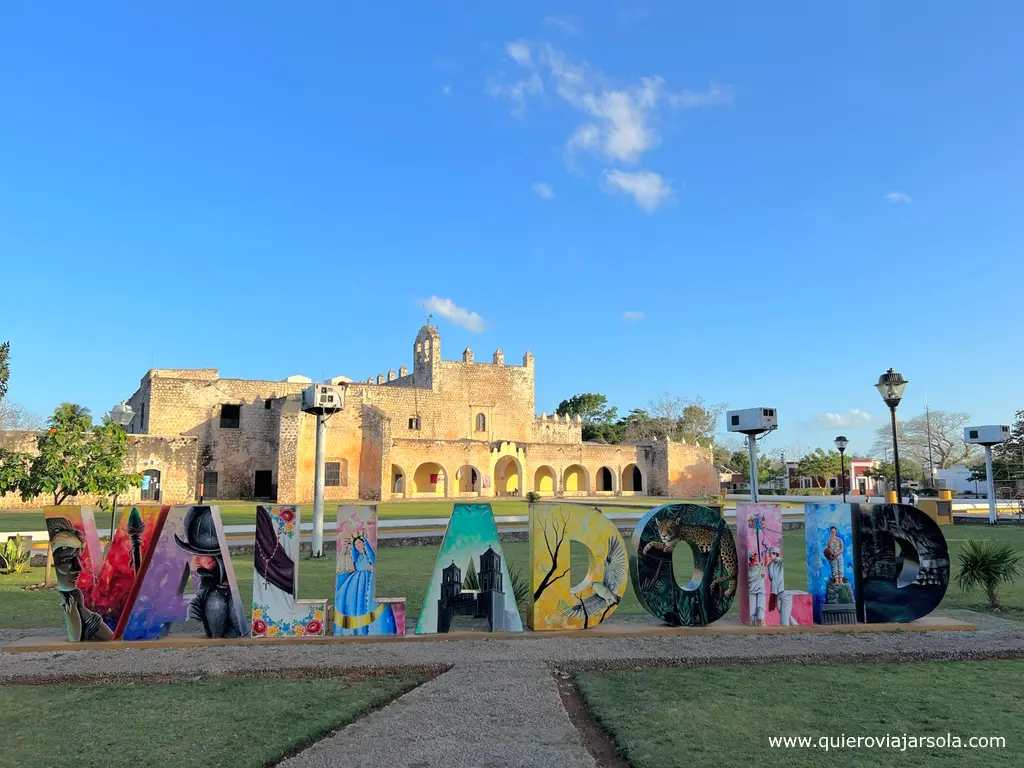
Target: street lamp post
890 386
121 414
841 443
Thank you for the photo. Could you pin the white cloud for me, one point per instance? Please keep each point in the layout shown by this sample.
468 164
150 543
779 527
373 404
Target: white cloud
454 314
633 316
517 92
715 95
519 52
446 91
899 197
648 188
852 418
543 190
566 24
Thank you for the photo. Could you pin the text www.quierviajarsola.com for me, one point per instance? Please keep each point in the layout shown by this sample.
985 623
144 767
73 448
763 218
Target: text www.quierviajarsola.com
895 742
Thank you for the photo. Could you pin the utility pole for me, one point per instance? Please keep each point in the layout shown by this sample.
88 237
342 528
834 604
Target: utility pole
931 466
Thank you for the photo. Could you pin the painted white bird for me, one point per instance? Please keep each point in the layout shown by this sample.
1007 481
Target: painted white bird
605 593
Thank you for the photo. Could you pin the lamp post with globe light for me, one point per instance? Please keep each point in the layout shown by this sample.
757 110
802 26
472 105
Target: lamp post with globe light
122 415
890 386
841 443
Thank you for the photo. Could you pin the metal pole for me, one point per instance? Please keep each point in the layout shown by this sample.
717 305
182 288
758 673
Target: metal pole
992 518
896 457
113 510
318 487
842 472
752 449
931 465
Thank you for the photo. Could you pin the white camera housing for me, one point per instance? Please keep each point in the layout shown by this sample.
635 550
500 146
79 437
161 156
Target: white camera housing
990 434
752 421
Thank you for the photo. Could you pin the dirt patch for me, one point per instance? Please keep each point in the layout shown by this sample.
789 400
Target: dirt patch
425 672
598 742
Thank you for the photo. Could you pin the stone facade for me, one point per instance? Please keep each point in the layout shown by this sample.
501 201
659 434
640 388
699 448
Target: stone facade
446 429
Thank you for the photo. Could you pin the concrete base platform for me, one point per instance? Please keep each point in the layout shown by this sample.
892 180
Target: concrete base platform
728 625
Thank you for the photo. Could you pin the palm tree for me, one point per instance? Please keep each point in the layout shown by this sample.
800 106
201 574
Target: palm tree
987 564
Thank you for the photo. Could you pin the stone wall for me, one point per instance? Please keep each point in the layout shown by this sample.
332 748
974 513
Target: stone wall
174 457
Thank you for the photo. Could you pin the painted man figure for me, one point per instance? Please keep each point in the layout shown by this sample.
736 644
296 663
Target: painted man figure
755 589
67 543
781 599
212 604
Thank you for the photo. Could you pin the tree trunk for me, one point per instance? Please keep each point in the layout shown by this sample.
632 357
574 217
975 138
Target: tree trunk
993 598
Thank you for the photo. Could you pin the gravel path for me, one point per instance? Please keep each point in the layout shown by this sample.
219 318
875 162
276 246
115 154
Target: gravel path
497 703
477 714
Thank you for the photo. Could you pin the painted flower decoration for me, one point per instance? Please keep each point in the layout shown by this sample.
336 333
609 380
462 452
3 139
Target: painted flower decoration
257 614
318 615
287 515
259 627
314 627
756 522
271 631
300 630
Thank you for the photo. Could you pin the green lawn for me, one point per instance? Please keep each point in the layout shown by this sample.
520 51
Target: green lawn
724 716
224 723
403 572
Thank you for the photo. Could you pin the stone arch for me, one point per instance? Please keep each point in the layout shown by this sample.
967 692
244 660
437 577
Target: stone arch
508 476
576 480
399 482
633 479
430 479
604 480
545 481
468 480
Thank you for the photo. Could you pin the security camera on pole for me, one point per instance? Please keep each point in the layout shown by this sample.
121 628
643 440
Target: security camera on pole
989 435
752 422
322 400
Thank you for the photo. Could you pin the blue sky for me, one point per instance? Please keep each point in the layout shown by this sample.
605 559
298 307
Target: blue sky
273 190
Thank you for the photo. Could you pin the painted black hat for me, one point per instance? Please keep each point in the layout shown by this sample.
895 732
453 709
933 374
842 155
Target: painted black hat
200 532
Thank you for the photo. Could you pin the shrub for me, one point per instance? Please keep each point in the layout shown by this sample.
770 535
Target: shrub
987 564
13 559
533 497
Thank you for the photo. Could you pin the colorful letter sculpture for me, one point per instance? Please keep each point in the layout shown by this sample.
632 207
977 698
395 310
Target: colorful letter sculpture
191 541
710 593
97 591
357 609
904 586
555 603
458 588
830 562
764 599
276 609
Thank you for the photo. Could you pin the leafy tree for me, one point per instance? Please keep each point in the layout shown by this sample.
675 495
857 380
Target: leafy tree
5 368
75 458
677 418
599 420
1008 457
947 439
740 462
821 464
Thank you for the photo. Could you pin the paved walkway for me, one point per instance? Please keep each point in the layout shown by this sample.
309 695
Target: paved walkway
497 704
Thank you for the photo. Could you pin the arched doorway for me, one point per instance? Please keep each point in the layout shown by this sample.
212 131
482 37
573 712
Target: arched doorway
467 479
544 481
632 479
151 485
605 481
507 477
397 480
574 481
430 480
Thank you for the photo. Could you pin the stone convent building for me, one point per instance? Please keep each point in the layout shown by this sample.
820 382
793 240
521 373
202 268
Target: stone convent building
446 429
